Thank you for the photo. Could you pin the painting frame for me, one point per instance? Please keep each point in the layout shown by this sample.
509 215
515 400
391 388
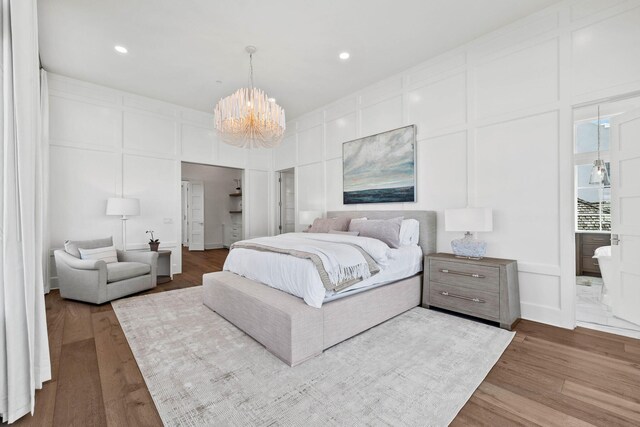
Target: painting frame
368 193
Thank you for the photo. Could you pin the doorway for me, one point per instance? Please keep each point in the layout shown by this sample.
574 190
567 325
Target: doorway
607 288
286 201
211 214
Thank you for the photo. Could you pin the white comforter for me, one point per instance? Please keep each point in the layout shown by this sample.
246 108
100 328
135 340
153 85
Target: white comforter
294 275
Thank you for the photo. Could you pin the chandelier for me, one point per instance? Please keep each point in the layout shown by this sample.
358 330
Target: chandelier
249 118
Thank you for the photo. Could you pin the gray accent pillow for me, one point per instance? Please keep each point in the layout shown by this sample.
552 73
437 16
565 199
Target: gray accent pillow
71 246
350 233
385 230
321 225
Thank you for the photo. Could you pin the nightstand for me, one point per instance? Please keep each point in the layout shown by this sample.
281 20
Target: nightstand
486 288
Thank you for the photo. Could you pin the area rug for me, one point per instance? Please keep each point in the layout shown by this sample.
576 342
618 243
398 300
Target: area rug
418 368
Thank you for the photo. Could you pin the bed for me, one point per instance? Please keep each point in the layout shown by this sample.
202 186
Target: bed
295 331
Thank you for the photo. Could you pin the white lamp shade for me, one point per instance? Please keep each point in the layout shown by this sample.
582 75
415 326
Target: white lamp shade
307 217
120 206
468 219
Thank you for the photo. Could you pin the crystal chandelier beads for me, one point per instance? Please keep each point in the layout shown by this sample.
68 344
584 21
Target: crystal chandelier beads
249 118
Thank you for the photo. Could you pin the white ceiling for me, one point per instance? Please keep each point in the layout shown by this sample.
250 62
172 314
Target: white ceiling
178 49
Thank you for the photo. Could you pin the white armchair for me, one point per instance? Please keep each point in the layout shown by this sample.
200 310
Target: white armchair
98 282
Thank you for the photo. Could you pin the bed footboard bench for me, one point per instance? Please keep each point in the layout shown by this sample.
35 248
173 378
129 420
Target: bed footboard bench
294 331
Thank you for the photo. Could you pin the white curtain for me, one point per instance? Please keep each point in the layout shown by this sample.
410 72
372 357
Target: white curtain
24 350
42 179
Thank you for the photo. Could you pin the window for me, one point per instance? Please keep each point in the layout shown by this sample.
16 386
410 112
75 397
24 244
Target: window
593 201
587 136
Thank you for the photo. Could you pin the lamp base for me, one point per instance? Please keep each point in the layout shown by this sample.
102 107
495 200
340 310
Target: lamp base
468 247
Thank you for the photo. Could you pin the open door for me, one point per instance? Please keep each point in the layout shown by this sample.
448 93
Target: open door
196 216
287 202
184 194
625 216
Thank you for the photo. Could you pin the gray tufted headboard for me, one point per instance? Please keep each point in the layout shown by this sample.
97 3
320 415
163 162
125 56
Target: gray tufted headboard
427 220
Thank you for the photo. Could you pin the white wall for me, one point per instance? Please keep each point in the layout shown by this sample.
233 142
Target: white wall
218 184
106 142
494 129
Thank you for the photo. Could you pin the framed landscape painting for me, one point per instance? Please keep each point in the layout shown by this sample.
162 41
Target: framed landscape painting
380 168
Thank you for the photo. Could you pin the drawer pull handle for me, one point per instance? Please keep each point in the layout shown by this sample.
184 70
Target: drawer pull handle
447 294
460 273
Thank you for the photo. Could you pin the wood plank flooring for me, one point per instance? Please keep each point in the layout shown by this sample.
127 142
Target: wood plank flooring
95 378
547 376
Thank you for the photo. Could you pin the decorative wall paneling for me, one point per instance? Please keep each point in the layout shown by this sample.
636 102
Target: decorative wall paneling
106 142
495 129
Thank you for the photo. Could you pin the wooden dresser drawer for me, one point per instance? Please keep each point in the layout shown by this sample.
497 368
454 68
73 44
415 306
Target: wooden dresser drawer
462 300
479 277
590 265
589 250
596 239
486 288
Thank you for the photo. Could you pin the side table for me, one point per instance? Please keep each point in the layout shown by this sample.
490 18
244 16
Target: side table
164 266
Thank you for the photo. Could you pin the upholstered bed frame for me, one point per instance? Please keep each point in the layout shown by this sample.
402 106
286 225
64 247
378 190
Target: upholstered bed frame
294 331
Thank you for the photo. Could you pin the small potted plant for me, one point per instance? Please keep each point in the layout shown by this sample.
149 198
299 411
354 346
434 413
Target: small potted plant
153 243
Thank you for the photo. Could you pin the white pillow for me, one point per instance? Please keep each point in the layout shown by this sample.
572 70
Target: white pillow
108 254
409 232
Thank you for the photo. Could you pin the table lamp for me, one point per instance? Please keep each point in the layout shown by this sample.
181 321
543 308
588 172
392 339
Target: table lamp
468 220
125 208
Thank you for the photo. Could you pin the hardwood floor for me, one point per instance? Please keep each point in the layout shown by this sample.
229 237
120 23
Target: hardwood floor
547 375
95 378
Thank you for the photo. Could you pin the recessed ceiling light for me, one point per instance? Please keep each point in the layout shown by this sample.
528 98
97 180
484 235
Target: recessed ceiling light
344 56
121 49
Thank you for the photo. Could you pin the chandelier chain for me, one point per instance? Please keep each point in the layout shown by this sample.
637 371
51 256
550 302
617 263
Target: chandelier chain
251 86
598 131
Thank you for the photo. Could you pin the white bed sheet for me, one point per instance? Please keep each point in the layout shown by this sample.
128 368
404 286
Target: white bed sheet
404 262
298 277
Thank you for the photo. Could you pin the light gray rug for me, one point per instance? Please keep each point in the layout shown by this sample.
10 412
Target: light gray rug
416 369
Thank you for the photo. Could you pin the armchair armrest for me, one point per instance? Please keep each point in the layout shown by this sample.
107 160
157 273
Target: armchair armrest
145 257
80 264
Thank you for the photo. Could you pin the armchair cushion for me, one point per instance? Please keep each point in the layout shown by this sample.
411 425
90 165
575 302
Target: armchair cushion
146 257
118 271
71 246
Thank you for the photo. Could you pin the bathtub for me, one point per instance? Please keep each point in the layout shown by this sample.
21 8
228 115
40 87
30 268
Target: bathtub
603 255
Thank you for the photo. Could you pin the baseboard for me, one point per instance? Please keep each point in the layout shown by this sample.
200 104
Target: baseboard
213 246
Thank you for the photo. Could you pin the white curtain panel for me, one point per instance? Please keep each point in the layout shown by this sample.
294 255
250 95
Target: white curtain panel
42 177
24 350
